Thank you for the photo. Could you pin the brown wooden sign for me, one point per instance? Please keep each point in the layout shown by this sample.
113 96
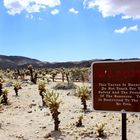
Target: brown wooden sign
116 86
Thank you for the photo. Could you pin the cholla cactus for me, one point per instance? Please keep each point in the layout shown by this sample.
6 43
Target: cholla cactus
62 71
42 90
79 122
17 86
1 83
100 129
83 93
4 98
51 99
67 73
33 75
53 73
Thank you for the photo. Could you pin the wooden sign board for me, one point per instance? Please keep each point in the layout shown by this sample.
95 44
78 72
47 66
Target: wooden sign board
116 86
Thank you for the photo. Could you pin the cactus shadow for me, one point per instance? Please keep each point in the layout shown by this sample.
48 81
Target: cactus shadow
57 135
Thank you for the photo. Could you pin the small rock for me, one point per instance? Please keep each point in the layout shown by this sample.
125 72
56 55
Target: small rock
43 127
20 136
16 106
47 135
36 132
32 104
30 111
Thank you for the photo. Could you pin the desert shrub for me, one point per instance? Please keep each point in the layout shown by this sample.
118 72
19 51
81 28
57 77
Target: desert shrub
64 86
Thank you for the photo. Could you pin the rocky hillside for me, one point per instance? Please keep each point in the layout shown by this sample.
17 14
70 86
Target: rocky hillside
20 62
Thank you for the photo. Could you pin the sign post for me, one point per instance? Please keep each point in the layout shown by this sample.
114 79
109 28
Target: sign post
124 126
116 87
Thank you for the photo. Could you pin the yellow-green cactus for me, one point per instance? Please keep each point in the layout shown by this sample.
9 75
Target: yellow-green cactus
33 75
51 99
83 94
4 96
42 90
1 83
17 86
100 129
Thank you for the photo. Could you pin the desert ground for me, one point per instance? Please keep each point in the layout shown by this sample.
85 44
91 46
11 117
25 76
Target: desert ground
24 118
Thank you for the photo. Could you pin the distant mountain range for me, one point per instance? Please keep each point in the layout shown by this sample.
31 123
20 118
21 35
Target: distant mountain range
15 62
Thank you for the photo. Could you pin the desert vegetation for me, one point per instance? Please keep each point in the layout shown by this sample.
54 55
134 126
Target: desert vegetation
54 104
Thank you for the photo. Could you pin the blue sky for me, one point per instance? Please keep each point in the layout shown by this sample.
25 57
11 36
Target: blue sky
70 30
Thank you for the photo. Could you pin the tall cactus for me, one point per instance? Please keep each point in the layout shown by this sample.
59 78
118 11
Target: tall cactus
33 75
42 90
4 96
62 71
1 83
17 86
53 73
51 99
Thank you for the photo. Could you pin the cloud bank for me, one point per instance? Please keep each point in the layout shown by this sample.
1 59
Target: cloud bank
30 6
126 8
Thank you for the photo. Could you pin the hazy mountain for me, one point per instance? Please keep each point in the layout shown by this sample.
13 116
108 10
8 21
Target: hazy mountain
20 62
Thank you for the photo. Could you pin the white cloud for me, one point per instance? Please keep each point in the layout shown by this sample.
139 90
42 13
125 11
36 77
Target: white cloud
126 17
121 31
34 8
55 11
126 8
126 29
31 6
72 10
133 28
15 6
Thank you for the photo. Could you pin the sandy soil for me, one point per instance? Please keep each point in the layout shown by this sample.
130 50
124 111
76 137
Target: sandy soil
25 119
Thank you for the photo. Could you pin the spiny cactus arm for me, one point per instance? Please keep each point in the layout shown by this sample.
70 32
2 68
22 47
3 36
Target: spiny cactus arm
5 91
51 97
